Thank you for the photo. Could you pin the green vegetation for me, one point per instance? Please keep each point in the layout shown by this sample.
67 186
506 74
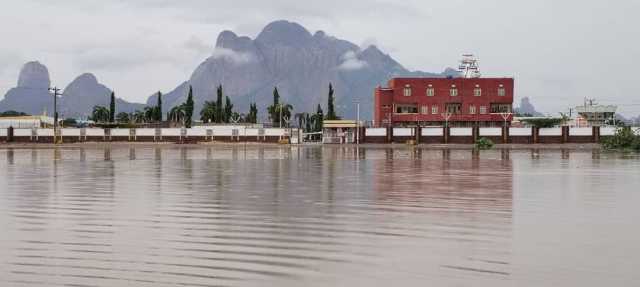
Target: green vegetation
12 114
158 112
100 114
69 122
624 139
331 112
188 109
484 144
112 108
123 118
252 116
279 112
543 122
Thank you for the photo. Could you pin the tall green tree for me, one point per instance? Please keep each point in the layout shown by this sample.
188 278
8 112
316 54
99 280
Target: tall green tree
112 108
331 111
219 105
252 116
208 112
274 109
228 110
318 119
188 109
158 114
122 118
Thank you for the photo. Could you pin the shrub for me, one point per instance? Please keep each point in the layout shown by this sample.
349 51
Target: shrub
543 122
484 144
624 139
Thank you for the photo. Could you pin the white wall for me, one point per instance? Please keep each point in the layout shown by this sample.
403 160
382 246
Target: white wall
273 132
70 132
44 132
94 132
488 132
432 132
251 132
461 132
375 132
580 131
120 132
520 132
145 132
3 132
550 132
196 132
171 132
403 132
22 132
608 131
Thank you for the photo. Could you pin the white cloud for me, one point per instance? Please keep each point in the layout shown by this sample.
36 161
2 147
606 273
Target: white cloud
235 57
350 62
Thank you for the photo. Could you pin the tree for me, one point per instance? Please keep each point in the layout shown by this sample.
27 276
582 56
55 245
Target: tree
100 114
219 111
308 121
122 118
318 119
112 108
543 122
252 116
150 114
138 116
331 112
208 112
158 112
12 113
228 110
188 109
300 118
273 110
69 122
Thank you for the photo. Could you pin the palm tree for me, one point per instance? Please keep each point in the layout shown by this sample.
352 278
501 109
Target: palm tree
150 114
176 114
138 116
208 112
300 118
122 118
100 114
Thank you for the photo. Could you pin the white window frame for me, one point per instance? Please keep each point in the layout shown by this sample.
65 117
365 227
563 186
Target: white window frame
434 110
431 92
483 110
502 91
472 110
477 92
453 91
407 91
424 110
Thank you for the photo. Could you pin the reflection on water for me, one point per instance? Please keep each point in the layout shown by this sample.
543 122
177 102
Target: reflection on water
317 216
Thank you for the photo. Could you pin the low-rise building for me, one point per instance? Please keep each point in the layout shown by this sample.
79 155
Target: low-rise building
444 101
26 122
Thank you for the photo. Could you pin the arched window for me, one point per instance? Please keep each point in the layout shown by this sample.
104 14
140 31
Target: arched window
407 91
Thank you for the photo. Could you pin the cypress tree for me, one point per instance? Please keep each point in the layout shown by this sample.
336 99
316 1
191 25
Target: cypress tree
112 108
188 109
228 110
318 120
219 105
331 112
159 108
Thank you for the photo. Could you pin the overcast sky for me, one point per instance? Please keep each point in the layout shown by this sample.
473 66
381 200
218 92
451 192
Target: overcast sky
558 51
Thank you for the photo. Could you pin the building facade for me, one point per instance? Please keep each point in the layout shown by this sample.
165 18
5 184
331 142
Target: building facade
444 101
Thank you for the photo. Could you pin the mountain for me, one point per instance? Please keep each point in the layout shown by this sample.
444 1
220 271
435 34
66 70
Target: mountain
85 92
31 96
299 63
78 98
526 108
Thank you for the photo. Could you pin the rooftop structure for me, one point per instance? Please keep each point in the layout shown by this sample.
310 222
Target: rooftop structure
594 114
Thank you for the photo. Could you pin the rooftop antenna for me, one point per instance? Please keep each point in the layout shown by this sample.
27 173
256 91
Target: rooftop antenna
469 67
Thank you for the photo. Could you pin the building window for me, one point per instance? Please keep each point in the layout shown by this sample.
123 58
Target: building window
407 109
424 110
472 110
500 108
501 91
483 110
477 92
431 91
454 91
434 110
407 91
454 108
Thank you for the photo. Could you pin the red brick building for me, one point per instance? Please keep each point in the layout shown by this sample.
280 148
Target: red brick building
430 101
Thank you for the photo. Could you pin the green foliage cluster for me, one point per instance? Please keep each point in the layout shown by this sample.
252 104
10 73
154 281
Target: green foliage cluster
12 114
484 144
543 122
279 112
624 139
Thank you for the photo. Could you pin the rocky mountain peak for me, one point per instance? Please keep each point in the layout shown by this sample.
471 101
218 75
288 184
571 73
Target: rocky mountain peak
34 75
284 33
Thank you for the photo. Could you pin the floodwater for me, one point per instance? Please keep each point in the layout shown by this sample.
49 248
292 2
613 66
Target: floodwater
317 216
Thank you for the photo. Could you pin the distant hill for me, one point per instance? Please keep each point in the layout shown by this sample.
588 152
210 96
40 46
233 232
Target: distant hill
299 63
526 108
31 96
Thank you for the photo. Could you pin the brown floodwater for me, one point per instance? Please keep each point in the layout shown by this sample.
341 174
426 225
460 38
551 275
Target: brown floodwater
317 216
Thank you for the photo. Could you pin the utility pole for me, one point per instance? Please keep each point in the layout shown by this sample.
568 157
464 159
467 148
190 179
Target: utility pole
56 93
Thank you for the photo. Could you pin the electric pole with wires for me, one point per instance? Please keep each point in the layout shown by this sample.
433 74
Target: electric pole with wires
56 93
